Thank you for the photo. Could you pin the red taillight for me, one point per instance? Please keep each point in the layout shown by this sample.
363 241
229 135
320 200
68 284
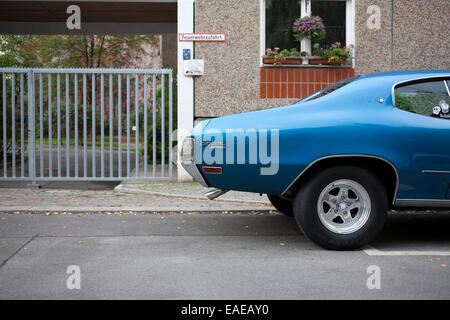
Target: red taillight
215 170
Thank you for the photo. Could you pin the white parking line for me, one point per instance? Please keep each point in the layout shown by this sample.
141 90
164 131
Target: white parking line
371 251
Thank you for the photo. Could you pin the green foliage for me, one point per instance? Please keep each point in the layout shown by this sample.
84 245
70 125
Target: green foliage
309 27
159 122
75 51
280 56
63 116
421 103
403 103
9 114
9 130
336 54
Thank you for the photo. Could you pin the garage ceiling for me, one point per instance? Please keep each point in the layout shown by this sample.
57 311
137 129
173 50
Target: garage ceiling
97 17
91 12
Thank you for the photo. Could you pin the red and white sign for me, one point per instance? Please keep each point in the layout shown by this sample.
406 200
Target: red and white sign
205 37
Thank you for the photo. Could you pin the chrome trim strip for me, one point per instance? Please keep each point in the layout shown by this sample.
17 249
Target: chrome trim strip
415 79
436 171
422 203
446 85
216 145
347 156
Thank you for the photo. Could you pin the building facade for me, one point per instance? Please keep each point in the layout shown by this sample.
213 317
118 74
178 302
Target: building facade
387 34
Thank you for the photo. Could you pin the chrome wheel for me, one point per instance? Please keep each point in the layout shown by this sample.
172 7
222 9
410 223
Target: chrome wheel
344 206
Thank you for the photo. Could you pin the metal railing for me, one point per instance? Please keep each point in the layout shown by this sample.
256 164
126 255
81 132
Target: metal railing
86 124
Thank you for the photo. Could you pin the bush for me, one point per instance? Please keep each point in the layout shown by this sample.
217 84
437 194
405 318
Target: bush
166 123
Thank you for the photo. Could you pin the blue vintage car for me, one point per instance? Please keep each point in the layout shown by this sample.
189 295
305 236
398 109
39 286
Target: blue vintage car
338 159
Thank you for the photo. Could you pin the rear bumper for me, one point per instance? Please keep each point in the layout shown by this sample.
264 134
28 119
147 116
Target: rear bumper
193 170
188 161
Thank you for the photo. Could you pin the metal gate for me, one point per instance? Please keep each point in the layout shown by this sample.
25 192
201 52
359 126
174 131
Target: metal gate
86 124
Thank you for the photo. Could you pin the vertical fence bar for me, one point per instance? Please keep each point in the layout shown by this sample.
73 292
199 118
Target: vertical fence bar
145 127
75 96
67 128
93 125
170 122
41 126
119 125
22 128
31 128
102 125
58 120
128 125
136 106
163 124
5 136
50 135
154 124
13 123
111 131
84 127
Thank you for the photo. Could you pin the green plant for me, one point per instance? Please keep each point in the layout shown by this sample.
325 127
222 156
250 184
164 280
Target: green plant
278 56
337 54
159 123
9 123
309 27
295 52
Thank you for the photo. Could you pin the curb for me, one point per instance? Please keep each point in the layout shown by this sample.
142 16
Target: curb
9 209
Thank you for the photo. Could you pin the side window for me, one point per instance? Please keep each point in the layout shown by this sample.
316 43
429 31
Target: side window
429 98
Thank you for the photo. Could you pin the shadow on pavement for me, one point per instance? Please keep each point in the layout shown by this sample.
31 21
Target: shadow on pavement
418 226
65 185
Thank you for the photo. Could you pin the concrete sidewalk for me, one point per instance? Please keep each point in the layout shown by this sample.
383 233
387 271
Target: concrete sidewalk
119 201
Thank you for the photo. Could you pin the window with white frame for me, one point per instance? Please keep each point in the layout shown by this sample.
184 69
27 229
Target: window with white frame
280 15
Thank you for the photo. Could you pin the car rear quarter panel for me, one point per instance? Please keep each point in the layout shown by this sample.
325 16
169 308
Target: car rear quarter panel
353 122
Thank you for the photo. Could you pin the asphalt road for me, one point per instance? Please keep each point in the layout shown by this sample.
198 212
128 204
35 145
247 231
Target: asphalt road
211 256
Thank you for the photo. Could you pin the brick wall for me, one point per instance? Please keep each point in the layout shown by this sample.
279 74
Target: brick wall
297 83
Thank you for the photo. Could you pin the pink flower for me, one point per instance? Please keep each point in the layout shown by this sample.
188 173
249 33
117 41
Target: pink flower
276 48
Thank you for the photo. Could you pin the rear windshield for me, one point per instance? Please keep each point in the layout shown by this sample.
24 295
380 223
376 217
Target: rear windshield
328 90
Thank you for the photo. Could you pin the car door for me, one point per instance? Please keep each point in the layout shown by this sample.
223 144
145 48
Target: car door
428 102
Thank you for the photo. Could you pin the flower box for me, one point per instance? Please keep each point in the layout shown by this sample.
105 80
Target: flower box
313 60
286 60
318 60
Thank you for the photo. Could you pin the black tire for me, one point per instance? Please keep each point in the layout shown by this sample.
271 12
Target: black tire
282 205
306 210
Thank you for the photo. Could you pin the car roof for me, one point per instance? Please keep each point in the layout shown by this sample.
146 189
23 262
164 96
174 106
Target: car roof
399 76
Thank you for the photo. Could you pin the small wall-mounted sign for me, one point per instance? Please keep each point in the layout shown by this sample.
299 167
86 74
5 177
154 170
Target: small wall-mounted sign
186 54
194 67
214 37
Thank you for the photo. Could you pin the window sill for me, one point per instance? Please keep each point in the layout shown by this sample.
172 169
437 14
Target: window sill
313 62
329 66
